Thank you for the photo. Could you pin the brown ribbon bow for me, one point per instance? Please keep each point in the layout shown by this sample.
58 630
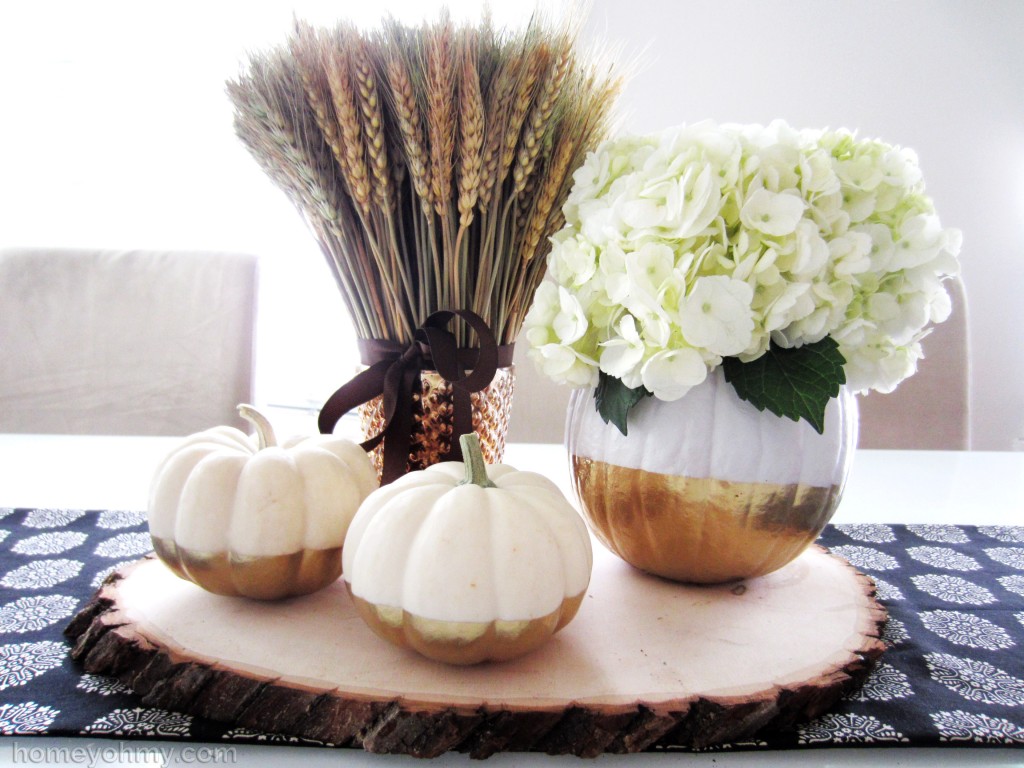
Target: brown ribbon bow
394 373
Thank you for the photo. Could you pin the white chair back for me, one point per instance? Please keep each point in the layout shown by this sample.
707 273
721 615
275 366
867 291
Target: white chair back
124 342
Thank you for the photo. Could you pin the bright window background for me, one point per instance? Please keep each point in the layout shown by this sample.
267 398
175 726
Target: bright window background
116 132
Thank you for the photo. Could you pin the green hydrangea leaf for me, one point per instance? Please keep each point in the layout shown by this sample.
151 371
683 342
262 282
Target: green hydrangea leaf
614 399
796 383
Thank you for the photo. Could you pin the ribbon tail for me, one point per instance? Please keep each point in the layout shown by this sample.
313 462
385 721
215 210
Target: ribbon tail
444 351
364 386
398 432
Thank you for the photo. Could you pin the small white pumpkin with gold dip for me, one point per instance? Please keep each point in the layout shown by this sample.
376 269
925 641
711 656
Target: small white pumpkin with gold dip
241 515
466 563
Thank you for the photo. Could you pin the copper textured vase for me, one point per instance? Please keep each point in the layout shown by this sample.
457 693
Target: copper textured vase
707 489
432 423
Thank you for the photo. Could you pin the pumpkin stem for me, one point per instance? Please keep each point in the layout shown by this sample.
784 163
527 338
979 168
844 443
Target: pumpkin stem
476 469
264 431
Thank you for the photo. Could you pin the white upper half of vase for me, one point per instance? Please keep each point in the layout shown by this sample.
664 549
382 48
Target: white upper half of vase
711 433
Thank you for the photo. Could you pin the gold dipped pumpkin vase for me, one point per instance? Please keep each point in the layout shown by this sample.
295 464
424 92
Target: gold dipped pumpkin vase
707 489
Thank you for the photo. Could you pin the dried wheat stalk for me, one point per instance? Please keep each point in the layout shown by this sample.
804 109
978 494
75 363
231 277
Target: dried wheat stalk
430 162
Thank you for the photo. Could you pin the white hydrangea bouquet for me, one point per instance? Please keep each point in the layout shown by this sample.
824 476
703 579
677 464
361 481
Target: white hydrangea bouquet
798 261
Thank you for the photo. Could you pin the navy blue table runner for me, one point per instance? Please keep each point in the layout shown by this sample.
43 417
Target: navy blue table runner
953 672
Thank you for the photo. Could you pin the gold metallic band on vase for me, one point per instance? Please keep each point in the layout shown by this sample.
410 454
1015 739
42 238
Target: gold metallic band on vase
432 426
392 384
700 530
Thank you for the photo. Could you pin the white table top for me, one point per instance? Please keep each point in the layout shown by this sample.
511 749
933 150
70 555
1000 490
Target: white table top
980 488
88 472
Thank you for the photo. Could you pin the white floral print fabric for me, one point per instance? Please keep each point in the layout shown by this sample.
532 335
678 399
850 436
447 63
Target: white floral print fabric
944 557
28 614
868 558
49 543
139 721
25 718
952 672
953 589
967 629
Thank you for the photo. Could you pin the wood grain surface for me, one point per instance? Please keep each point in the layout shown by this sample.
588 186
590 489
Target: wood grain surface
647 663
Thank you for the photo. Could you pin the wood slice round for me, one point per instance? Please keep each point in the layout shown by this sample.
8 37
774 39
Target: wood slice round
646 663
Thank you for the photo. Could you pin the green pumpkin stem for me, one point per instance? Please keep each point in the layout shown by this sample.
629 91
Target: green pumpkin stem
476 468
264 432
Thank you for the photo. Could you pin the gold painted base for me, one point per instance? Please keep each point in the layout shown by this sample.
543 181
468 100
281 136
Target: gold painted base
262 578
465 642
431 438
699 530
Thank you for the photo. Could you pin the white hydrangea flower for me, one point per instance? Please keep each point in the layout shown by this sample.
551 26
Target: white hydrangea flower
541 315
793 303
859 172
691 203
774 213
850 254
670 374
553 355
810 254
565 365
709 241
717 316
817 175
622 355
570 322
647 270
573 261
920 240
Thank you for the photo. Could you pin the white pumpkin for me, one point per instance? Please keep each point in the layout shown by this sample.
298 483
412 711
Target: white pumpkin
466 563
708 488
244 516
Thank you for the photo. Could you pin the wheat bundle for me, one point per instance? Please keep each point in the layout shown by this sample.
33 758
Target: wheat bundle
430 162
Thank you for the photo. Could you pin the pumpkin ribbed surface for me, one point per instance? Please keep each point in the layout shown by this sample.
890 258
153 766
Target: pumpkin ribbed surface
463 573
265 522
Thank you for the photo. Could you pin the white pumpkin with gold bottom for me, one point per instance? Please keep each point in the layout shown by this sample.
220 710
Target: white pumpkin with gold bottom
466 563
245 517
